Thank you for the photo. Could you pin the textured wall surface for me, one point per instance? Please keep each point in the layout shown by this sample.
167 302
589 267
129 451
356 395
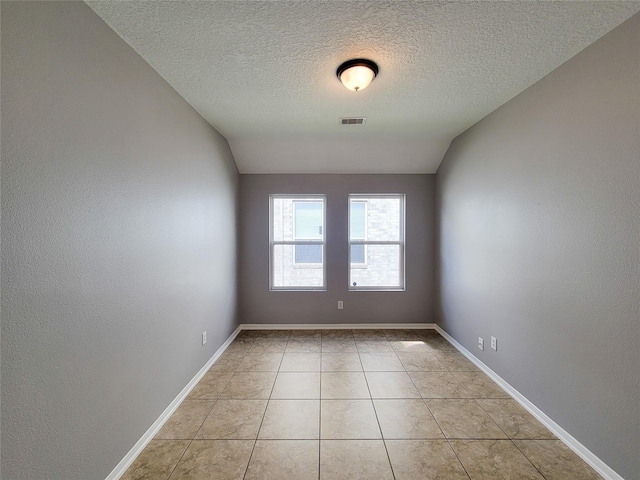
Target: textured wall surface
259 305
264 73
539 244
118 243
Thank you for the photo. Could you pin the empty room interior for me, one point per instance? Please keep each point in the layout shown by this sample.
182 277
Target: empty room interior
328 240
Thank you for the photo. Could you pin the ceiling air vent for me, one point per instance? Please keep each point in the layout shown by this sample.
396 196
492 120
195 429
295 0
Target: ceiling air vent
352 120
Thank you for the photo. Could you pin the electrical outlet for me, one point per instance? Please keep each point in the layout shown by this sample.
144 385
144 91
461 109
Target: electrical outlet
480 343
204 337
340 304
494 343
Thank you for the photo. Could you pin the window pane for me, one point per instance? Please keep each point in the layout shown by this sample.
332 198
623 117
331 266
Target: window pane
286 273
308 220
382 221
308 254
383 268
357 254
307 223
357 228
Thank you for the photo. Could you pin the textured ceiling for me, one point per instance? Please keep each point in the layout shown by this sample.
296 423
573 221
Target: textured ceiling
263 73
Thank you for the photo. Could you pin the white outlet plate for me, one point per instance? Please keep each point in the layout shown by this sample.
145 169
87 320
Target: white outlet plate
494 343
340 304
204 338
480 343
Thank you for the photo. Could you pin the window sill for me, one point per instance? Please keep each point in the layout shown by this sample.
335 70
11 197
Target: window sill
298 289
377 289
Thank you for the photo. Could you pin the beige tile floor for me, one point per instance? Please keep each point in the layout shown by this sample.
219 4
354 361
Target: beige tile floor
351 404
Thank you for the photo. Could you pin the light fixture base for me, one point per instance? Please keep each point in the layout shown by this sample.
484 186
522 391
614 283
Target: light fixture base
358 62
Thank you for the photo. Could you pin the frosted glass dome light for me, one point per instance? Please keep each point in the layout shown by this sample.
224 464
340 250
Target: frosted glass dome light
357 74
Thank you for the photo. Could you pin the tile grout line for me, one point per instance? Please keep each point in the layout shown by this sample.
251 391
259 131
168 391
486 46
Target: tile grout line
246 470
446 439
179 460
525 456
375 412
205 418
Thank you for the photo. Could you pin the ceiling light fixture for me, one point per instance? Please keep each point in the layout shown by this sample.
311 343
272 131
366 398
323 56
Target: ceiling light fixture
357 74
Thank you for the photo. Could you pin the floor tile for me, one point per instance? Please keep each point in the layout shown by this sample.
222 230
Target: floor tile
261 362
248 334
297 385
305 335
310 345
210 386
555 460
339 345
227 363
454 361
341 362
514 420
247 385
300 362
406 419
494 459
246 339
354 460
391 385
435 341
268 344
424 460
157 460
373 346
214 460
336 385
381 362
238 348
400 335
337 334
420 362
233 420
275 334
284 460
368 334
186 420
348 419
438 385
291 419
480 385
410 346
463 419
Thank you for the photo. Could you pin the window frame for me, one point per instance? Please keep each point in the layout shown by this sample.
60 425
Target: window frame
366 211
273 243
400 242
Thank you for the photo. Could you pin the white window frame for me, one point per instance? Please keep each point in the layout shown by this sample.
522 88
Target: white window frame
400 242
273 243
366 223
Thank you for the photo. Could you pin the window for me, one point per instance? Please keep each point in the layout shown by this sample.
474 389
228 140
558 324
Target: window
297 242
376 242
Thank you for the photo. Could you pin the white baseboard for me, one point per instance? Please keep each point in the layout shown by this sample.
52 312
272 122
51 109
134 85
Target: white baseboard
598 465
336 326
128 459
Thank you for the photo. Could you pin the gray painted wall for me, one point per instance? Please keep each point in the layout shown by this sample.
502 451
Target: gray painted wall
259 305
539 244
118 243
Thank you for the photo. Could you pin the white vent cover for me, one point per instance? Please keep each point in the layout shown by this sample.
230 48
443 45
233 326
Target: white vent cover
352 120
